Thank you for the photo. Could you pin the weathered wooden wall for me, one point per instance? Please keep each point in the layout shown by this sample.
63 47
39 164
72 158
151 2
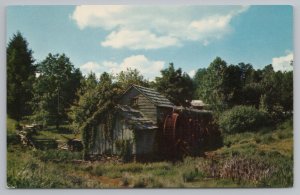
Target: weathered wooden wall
145 141
125 99
123 132
143 144
120 132
147 108
101 145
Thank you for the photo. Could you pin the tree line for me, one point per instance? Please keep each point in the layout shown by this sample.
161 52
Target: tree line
224 86
53 91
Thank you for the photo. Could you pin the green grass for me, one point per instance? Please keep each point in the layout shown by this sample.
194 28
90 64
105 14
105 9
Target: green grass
62 134
270 146
11 125
248 154
278 139
11 131
50 137
37 171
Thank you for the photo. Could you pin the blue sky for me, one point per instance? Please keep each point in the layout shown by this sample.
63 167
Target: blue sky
114 38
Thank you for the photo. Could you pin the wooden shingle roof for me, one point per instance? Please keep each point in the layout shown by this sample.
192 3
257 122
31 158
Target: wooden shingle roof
155 97
135 118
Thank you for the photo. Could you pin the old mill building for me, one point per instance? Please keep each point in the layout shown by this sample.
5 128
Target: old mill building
155 128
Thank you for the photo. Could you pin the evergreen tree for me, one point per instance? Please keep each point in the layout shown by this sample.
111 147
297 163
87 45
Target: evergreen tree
178 87
20 77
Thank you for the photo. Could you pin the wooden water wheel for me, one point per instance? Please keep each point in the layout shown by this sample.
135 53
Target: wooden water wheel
188 134
169 135
174 142
170 127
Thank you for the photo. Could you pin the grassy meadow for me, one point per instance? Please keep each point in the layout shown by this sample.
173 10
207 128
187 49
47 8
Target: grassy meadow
261 159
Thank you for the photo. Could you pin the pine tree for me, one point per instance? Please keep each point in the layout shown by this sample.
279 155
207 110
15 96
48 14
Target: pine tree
20 77
176 85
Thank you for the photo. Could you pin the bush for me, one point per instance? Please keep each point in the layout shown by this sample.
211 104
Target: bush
242 118
189 176
257 139
267 139
125 181
98 171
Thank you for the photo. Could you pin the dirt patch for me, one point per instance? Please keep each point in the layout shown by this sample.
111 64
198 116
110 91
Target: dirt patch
104 181
109 182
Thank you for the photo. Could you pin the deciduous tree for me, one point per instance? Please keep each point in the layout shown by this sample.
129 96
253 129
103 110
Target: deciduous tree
129 77
55 89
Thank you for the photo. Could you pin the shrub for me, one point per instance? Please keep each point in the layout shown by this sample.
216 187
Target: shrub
131 167
257 139
144 181
241 119
125 181
139 184
12 139
267 139
227 143
189 176
281 135
98 171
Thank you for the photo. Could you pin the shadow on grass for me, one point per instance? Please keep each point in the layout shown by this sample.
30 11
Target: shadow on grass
61 130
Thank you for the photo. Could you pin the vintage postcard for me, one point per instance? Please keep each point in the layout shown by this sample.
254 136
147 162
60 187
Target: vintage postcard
124 96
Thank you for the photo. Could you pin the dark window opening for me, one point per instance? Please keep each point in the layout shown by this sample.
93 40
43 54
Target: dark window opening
134 102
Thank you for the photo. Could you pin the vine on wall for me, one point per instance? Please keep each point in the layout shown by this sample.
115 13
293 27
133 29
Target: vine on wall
104 114
125 149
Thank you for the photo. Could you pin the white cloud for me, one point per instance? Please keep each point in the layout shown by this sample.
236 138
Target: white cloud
192 73
94 67
137 40
151 27
282 63
148 68
105 16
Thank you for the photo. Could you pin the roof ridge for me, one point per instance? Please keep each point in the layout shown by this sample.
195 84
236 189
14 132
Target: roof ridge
154 98
136 86
143 87
151 94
